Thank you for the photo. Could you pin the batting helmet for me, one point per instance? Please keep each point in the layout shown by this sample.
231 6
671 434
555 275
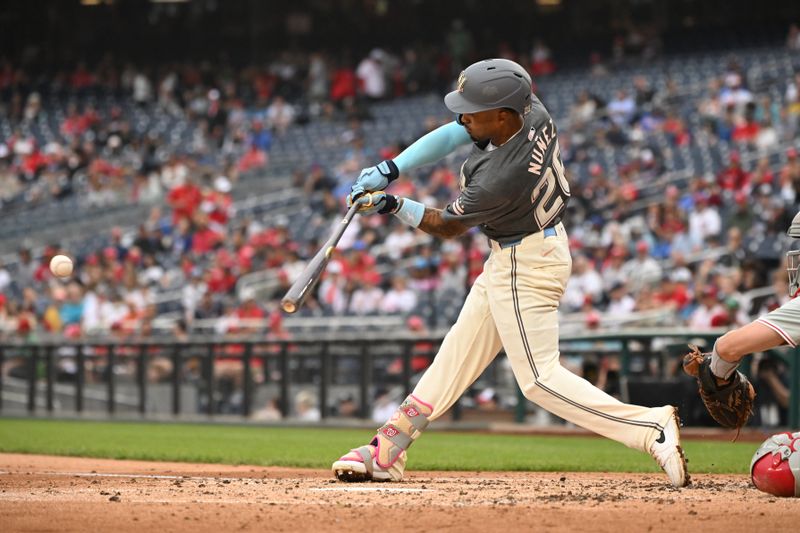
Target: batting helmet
491 84
793 257
775 467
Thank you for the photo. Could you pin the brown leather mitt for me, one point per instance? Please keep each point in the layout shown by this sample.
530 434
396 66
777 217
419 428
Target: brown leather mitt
731 403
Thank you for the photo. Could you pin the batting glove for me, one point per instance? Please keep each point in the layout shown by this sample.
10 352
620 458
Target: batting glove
377 202
375 178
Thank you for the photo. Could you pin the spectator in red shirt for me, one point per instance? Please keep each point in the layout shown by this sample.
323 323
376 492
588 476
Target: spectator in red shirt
42 272
390 151
734 177
33 162
277 331
220 280
672 294
90 117
745 131
75 124
746 127
81 78
253 159
112 266
762 173
217 203
244 258
627 189
249 313
26 322
264 84
343 83
184 200
359 261
676 130
204 238
670 216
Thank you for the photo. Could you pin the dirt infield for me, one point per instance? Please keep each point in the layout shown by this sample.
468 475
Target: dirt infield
41 493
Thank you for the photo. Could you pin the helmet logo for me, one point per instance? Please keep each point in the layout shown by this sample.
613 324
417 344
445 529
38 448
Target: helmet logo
462 79
490 90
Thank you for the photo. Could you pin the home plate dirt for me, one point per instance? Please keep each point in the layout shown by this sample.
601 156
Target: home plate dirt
40 493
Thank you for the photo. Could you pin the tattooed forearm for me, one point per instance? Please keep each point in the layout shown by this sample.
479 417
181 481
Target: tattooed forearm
433 224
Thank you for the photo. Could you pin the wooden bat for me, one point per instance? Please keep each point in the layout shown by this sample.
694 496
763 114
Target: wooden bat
302 286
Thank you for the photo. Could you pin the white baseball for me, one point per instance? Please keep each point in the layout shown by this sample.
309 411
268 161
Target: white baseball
61 266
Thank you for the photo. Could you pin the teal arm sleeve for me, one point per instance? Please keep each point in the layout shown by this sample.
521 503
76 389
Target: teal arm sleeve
432 146
410 212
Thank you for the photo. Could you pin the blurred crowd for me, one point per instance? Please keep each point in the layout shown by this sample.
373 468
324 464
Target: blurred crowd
632 253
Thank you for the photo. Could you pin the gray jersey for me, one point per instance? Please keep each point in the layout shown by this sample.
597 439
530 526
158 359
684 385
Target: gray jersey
516 189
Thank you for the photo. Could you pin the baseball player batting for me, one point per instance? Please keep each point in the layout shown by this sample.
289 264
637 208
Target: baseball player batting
726 392
514 189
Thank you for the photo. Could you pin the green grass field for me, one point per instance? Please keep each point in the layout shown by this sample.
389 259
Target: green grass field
317 448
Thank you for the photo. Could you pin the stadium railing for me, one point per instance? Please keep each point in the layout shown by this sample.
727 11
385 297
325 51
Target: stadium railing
277 360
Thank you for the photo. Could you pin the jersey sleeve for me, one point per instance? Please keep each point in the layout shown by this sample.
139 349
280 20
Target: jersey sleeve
475 206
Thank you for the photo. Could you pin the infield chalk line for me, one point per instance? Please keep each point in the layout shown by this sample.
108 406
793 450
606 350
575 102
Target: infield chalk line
139 476
193 478
368 489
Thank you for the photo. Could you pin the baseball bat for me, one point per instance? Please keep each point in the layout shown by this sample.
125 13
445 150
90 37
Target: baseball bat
302 286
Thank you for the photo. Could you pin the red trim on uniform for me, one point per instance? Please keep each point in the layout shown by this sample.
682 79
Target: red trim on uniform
779 331
426 404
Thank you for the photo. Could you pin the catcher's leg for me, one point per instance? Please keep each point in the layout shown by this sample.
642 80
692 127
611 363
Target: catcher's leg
524 298
468 348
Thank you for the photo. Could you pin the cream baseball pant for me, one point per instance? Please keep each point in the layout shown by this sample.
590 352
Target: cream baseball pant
514 304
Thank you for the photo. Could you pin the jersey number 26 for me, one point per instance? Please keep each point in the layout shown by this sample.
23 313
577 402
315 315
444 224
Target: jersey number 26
552 182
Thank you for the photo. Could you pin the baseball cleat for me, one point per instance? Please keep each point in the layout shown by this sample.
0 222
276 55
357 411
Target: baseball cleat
360 465
667 452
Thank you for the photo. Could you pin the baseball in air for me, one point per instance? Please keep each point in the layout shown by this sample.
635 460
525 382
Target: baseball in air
61 266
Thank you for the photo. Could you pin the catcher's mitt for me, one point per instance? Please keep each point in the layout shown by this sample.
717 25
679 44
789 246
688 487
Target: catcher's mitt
730 403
